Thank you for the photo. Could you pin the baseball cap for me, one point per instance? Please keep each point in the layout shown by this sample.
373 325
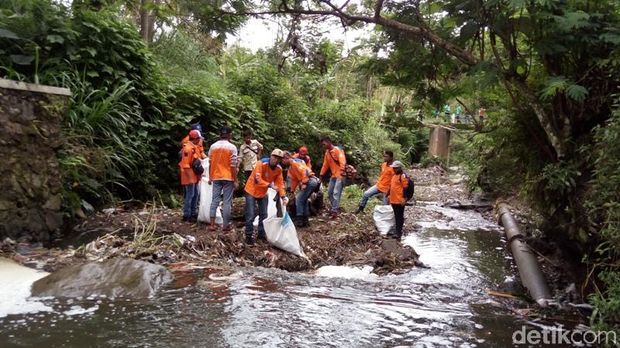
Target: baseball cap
194 134
277 153
397 164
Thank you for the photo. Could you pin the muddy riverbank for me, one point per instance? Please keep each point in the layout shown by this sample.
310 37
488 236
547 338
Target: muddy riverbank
158 235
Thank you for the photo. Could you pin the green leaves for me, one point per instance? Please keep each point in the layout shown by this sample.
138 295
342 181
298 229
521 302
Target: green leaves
577 92
55 39
573 20
559 84
7 34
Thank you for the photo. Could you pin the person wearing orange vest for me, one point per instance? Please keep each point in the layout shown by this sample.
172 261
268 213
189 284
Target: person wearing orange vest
223 176
300 174
302 154
383 183
267 173
189 179
200 146
396 197
334 161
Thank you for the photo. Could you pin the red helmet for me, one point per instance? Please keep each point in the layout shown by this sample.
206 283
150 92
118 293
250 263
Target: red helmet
194 134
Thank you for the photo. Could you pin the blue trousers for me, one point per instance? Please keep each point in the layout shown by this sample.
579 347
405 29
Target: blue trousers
222 188
301 200
190 200
334 192
250 213
374 190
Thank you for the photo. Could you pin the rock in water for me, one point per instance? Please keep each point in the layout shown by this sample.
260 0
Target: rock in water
112 278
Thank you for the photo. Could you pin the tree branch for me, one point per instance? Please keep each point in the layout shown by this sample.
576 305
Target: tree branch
378 7
459 53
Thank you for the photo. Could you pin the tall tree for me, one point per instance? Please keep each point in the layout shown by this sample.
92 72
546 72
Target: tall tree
570 41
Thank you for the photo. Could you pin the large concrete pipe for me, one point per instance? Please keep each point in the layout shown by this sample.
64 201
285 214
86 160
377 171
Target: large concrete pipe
529 269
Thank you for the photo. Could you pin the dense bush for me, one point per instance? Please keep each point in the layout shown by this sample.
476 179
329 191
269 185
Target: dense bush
603 203
131 106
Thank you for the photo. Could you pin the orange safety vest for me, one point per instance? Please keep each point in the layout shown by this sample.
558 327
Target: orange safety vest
385 178
299 172
188 154
223 157
335 161
397 189
261 177
199 148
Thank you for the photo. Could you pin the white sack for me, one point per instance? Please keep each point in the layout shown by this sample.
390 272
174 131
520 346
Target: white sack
282 234
206 194
384 219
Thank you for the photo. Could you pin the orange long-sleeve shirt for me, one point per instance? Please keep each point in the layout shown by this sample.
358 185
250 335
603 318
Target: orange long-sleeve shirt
335 161
261 177
396 193
299 172
385 178
188 154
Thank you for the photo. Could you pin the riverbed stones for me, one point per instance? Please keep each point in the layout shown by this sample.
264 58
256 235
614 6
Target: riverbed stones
112 278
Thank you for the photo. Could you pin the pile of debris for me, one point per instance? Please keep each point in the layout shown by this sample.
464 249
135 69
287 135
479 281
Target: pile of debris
158 235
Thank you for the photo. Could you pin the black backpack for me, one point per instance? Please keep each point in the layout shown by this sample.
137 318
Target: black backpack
410 189
197 167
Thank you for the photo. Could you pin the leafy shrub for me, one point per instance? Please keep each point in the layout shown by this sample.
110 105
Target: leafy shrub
603 203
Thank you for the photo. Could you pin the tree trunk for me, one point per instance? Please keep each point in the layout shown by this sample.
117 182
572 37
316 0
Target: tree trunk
145 21
557 138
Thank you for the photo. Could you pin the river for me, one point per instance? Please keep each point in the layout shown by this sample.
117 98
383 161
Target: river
445 305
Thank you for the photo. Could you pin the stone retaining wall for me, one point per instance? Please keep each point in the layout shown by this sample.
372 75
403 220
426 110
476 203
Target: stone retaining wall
30 181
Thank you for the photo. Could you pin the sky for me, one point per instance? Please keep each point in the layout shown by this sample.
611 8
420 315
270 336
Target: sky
262 33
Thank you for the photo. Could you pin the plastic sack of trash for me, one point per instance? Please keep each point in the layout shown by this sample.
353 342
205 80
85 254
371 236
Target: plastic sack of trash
282 234
384 219
271 206
206 194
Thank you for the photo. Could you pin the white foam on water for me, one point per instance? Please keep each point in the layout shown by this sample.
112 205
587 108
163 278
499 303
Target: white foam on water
346 272
15 290
77 310
464 220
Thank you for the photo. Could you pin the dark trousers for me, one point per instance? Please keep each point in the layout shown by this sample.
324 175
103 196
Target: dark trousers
399 216
250 214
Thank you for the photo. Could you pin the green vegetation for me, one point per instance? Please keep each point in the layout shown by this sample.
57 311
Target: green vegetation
603 204
131 104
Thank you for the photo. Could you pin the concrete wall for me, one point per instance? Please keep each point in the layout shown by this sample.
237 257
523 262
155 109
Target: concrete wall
30 181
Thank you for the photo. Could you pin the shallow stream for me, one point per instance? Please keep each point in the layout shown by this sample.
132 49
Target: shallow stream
445 305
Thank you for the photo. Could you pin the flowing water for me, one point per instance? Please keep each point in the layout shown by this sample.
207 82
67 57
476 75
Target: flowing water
443 306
